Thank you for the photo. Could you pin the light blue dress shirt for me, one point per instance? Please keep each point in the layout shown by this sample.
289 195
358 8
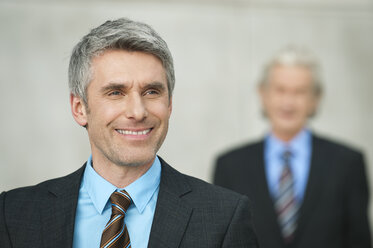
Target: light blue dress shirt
301 148
94 207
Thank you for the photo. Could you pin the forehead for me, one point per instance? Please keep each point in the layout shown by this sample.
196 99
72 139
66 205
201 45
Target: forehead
127 67
290 76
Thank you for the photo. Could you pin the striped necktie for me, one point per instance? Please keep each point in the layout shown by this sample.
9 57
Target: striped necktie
285 204
115 234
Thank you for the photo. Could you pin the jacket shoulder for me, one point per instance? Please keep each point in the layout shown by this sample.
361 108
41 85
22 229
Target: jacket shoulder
194 189
242 150
52 185
218 217
211 191
334 146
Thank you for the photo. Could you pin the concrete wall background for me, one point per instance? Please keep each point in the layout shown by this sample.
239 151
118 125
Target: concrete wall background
219 49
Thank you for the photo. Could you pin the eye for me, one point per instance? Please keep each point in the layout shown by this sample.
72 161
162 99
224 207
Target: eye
114 93
151 92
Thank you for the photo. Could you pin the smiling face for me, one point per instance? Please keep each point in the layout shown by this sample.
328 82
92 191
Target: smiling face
289 99
128 108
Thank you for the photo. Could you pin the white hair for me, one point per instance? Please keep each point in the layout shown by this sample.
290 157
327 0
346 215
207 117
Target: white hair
295 56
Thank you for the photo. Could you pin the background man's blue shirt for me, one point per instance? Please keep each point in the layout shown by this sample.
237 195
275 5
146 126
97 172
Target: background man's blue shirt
94 208
301 148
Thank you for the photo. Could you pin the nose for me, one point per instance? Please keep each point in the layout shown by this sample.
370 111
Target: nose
289 100
135 108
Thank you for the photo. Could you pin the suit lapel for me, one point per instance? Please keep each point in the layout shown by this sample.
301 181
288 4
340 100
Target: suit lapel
172 213
58 213
316 180
262 199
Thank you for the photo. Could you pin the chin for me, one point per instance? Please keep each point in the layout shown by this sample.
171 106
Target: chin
292 130
136 159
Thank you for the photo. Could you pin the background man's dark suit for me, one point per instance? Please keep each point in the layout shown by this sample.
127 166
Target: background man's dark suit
334 209
189 213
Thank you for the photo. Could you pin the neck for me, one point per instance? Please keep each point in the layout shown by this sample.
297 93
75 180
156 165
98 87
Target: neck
118 175
284 135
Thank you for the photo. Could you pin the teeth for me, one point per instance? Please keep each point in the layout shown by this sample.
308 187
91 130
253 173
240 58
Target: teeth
128 132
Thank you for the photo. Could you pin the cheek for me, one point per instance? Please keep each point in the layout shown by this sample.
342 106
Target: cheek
306 104
161 110
274 103
103 112
267 99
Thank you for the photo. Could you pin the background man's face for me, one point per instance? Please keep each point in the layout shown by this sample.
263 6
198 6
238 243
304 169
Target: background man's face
288 99
128 108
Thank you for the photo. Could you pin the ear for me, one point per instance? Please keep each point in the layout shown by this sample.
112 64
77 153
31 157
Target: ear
78 109
170 106
262 92
315 104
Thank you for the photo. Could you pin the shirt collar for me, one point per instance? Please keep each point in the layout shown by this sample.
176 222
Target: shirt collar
141 190
276 147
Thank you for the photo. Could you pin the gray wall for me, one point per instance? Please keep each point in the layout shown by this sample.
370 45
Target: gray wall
219 49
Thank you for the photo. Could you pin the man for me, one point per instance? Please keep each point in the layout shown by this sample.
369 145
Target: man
307 191
121 80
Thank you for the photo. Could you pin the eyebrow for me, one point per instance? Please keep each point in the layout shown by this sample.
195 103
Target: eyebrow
155 85
123 86
114 86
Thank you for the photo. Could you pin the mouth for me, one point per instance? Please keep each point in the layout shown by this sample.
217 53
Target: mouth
133 132
287 113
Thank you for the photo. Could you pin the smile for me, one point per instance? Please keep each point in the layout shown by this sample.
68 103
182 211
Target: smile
130 132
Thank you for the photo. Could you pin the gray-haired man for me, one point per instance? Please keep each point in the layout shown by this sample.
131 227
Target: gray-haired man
121 79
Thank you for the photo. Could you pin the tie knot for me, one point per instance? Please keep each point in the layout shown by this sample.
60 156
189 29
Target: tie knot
120 201
286 156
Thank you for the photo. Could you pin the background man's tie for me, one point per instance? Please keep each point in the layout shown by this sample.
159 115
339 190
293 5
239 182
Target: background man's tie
286 205
115 234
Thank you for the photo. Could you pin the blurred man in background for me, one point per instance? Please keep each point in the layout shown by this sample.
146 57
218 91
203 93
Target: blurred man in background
307 191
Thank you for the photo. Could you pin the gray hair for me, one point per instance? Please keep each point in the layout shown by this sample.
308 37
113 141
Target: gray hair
295 56
123 34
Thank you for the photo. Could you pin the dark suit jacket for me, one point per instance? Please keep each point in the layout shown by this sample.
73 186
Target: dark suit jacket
189 213
334 210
